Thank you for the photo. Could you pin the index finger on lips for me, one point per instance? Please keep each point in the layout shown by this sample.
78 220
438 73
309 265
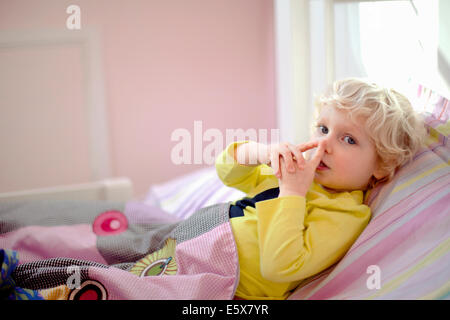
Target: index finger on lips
318 156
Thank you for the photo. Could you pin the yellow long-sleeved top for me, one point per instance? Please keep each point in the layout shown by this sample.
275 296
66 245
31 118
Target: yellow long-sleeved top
283 240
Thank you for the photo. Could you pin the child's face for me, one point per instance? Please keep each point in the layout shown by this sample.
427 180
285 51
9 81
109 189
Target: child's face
350 157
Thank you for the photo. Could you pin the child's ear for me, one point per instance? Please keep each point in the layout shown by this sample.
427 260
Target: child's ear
380 172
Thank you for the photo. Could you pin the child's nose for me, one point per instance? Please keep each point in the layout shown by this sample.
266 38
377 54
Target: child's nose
327 144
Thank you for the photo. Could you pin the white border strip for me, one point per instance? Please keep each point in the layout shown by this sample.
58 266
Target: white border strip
117 189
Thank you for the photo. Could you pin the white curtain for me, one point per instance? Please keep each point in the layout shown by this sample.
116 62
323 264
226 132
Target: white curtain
317 42
399 43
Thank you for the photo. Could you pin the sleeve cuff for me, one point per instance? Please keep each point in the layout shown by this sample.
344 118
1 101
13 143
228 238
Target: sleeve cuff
230 151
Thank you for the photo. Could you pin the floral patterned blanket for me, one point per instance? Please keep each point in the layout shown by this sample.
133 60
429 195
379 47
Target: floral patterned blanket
84 250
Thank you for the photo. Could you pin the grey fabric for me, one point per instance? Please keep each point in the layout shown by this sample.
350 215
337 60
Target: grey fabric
203 220
143 239
50 273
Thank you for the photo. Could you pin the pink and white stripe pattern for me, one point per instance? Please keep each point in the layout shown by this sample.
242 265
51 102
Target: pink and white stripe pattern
183 196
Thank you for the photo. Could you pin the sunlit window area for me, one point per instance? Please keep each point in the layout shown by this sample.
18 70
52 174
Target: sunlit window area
399 43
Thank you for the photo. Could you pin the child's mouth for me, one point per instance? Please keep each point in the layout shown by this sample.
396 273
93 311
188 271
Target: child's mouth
322 166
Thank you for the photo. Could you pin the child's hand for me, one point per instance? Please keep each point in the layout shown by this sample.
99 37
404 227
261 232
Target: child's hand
291 154
299 181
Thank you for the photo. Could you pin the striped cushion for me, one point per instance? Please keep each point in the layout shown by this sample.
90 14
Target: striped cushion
407 241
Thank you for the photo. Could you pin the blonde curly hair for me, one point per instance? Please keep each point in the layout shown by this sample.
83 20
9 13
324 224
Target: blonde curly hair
396 130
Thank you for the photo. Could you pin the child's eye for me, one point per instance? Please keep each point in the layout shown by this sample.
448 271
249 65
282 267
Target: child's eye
349 140
323 129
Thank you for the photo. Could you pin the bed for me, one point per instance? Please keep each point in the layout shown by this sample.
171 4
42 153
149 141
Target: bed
404 253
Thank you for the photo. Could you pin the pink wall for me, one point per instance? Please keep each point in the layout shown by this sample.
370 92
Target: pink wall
166 64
